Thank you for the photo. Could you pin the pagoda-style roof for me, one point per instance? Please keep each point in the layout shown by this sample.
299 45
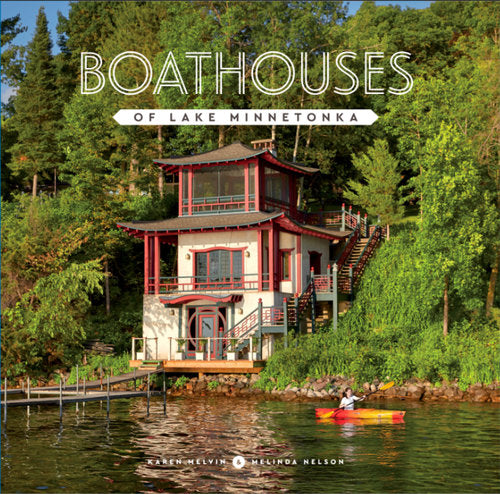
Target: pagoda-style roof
232 153
227 221
186 224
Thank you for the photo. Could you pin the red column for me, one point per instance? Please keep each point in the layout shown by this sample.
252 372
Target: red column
190 191
157 264
180 192
259 259
247 187
271 258
298 281
257 185
146 264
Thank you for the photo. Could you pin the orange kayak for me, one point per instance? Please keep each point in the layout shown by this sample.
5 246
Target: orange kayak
360 413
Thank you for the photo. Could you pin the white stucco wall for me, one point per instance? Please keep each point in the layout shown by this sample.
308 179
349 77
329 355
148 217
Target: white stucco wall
158 320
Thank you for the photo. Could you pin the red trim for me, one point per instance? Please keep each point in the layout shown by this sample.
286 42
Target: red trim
298 281
180 191
184 299
190 191
146 264
247 187
259 258
271 256
218 248
257 185
157 265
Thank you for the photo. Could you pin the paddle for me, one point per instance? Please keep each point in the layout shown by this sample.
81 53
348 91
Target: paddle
382 388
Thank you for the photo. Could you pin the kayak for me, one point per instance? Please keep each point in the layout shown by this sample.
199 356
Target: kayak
363 422
360 413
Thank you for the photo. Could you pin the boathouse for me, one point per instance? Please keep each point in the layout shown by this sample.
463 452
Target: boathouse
251 266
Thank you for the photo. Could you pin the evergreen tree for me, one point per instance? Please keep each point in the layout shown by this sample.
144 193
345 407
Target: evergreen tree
379 195
37 109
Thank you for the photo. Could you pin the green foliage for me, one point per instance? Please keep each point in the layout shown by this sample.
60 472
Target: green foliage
212 385
379 195
110 364
181 381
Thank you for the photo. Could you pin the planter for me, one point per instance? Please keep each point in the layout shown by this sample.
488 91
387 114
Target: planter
180 355
231 355
200 355
139 355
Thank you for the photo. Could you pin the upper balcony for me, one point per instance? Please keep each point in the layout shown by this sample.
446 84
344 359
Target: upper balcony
235 178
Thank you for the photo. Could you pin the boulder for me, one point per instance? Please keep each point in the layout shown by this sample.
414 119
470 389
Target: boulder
319 385
310 393
415 391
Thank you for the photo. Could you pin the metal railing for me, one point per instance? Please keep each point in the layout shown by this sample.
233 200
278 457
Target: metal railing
211 348
210 205
144 355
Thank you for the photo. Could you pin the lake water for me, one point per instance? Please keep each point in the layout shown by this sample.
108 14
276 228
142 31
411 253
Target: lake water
452 447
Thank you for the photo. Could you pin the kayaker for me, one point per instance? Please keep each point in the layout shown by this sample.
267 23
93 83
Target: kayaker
348 400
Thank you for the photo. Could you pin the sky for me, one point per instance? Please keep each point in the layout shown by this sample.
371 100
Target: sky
29 11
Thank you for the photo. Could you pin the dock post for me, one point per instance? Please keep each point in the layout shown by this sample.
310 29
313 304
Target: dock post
100 373
107 399
77 385
149 381
60 399
5 402
84 386
135 380
164 395
29 395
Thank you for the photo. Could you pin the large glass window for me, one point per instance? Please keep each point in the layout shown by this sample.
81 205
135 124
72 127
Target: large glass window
277 185
219 266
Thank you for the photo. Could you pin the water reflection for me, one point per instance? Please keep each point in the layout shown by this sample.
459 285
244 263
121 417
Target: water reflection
193 447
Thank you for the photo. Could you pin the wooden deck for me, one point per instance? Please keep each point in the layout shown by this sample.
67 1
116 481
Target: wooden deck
208 366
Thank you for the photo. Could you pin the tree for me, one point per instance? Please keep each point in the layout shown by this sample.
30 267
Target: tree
12 55
379 194
459 221
37 109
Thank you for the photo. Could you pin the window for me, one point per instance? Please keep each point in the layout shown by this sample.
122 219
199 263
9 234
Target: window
219 268
277 185
285 265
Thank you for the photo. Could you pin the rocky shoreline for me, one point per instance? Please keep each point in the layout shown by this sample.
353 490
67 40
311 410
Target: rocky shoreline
332 387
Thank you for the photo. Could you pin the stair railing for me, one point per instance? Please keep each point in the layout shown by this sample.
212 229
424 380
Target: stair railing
346 250
365 254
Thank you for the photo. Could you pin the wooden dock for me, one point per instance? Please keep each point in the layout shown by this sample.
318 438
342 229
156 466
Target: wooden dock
75 398
202 367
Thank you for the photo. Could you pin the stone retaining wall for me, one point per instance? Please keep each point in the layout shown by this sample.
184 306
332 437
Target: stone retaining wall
332 387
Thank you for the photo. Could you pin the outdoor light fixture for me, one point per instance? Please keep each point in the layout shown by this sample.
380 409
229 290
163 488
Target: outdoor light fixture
188 257
240 311
247 253
172 312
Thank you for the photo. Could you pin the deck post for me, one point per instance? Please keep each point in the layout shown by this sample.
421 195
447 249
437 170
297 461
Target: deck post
164 395
100 373
335 302
285 321
29 388
296 304
251 349
342 228
133 348
313 304
5 402
107 399
359 222
366 225
156 348
259 325
135 380
84 386
149 381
